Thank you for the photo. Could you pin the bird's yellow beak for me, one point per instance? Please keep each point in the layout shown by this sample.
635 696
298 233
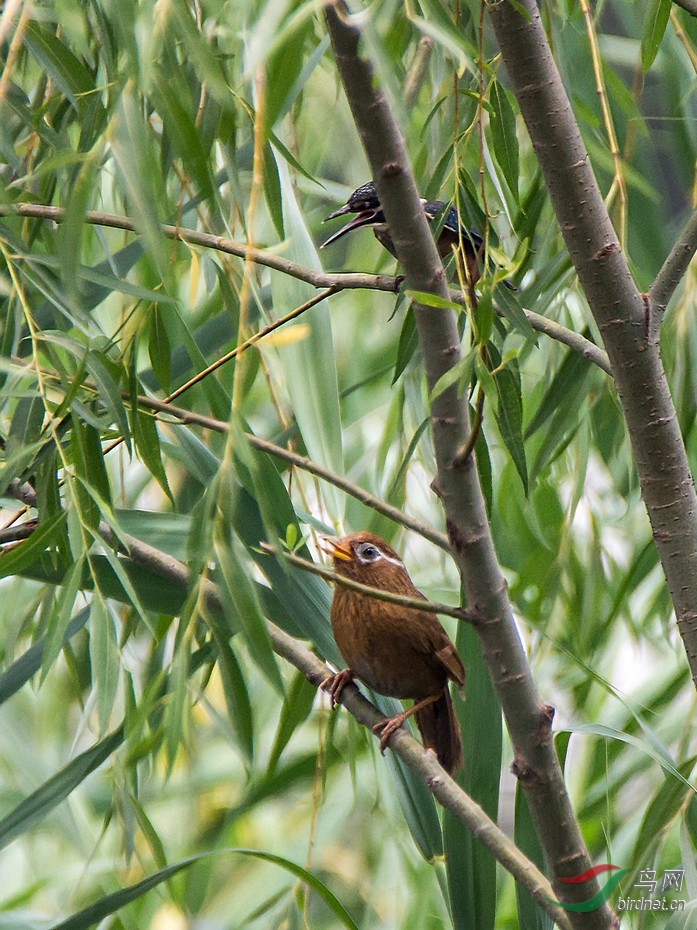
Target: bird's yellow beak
334 548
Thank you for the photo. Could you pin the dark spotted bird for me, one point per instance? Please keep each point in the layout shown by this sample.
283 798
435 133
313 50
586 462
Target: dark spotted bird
365 203
397 651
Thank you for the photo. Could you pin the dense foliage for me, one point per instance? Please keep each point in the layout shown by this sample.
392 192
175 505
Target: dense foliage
141 726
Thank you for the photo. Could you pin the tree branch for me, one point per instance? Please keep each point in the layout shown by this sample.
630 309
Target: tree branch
528 719
621 313
690 6
219 244
412 753
335 282
673 270
304 463
411 603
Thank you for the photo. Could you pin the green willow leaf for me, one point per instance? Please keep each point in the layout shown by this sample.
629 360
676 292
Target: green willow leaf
29 663
471 869
509 416
29 551
111 903
56 59
656 16
530 914
504 136
40 802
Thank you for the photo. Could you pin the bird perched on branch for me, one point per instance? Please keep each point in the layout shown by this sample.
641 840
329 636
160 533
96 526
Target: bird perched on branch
397 651
365 203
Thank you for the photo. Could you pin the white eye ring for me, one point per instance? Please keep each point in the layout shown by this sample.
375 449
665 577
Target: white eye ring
367 552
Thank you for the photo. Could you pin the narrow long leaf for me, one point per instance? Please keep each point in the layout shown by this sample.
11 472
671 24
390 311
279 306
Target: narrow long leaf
111 903
509 417
504 137
42 801
656 16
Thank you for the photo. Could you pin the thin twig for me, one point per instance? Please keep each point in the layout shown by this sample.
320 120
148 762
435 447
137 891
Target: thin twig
417 70
304 463
690 6
618 180
424 763
339 282
465 451
673 269
253 339
412 603
217 243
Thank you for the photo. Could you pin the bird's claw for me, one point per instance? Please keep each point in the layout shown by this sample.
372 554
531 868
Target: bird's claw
387 727
335 684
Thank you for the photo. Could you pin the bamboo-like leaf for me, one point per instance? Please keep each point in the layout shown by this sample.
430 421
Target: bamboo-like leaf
60 615
237 699
26 423
434 300
645 746
181 128
568 382
504 136
511 308
416 801
530 914
26 553
471 869
28 664
509 416
272 191
140 175
147 442
42 801
243 597
684 920
72 229
109 393
109 904
159 348
104 660
311 383
297 706
297 601
656 16
407 345
664 807
56 59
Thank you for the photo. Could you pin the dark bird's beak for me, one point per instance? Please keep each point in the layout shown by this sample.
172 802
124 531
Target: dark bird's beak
331 545
364 218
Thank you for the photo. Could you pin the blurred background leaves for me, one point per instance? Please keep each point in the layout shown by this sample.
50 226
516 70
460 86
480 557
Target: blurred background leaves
139 728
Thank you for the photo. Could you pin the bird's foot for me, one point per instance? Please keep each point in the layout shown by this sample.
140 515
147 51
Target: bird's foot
387 727
335 684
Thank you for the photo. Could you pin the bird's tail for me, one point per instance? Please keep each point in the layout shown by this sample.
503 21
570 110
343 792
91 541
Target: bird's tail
440 732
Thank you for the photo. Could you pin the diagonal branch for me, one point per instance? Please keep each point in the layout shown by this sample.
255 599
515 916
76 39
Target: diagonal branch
622 314
218 243
305 464
673 269
528 719
412 753
380 594
690 6
335 281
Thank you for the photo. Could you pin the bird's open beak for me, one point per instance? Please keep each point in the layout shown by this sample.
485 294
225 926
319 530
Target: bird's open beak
331 545
364 218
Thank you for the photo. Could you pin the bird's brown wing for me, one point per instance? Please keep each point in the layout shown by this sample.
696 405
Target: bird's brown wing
452 662
438 644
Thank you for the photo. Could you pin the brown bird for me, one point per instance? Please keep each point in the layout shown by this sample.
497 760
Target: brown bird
397 651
